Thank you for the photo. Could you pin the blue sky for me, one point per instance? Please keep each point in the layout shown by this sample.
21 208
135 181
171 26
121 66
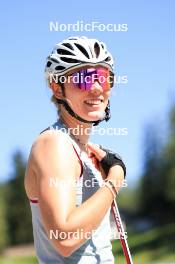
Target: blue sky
145 53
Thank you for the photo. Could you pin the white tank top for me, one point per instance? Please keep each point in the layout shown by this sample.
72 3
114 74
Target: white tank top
98 248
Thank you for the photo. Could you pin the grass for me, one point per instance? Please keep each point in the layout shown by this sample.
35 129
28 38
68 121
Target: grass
18 260
151 247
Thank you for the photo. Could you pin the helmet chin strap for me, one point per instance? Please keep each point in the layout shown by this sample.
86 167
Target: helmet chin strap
105 115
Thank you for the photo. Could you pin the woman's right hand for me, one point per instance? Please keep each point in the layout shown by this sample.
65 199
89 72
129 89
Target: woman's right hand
116 173
95 151
96 154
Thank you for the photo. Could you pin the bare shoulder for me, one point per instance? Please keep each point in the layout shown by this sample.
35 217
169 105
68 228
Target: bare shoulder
52 146
51 154
50 140
49 137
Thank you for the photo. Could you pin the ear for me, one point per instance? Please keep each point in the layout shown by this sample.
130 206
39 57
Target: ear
56 89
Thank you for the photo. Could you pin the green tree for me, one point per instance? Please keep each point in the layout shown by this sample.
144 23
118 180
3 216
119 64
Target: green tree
3 225
157 185
151 200
18 215
169 167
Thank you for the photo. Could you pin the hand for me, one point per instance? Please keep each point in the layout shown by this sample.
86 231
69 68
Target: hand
95 151
115 173
96 154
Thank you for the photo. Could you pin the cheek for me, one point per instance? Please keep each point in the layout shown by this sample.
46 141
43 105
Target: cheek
107 92
106 95
74 95
70 92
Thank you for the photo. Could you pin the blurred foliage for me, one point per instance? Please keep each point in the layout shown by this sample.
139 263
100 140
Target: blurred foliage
18 211
169 171
153 246
3 224
157 185
18 215
153 197
18 260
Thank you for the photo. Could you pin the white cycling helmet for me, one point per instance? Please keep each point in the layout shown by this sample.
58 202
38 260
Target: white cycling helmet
75 52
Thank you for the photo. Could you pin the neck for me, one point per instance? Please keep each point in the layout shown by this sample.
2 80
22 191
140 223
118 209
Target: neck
81 131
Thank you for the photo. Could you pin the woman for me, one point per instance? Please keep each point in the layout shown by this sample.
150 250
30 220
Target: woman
71 183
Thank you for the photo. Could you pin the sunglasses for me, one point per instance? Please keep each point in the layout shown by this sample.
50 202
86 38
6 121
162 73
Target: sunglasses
85 78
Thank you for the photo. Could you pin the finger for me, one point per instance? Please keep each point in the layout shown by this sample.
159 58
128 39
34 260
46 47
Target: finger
99 153
90 154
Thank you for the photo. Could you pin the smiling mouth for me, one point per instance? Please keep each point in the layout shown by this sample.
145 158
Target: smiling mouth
93 102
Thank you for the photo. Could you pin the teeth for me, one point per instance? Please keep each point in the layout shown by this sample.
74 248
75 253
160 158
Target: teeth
93 101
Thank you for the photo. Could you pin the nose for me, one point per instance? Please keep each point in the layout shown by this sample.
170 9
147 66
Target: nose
96 88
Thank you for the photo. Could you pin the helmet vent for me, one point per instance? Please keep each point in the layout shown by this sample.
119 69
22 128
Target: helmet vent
59 68
97 49
64 52
69 60
49 63
54 60
108 59
82 49
68 45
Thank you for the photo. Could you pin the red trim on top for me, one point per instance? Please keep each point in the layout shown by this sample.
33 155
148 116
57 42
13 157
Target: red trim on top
80 161
35 201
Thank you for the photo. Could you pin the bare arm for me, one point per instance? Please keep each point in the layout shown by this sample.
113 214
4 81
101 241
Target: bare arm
54 159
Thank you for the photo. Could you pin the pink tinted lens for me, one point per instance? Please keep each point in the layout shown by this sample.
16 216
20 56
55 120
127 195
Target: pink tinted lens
103 78
85 78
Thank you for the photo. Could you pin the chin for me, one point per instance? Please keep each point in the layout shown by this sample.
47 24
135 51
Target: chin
94 116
